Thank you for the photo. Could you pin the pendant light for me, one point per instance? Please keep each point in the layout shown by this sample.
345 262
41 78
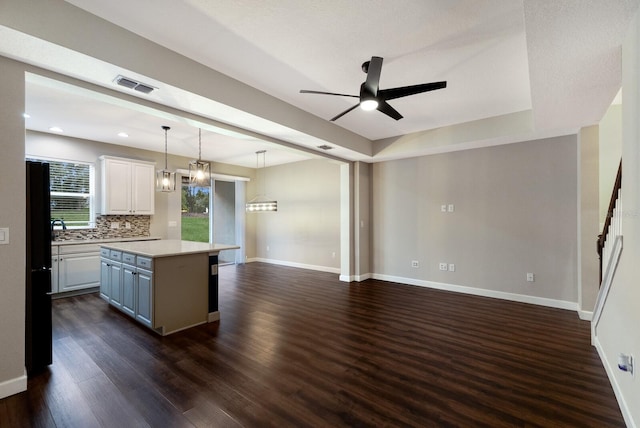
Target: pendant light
165 179
199 170
261 203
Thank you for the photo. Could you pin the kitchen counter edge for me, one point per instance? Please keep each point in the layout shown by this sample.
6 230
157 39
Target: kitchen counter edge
167 248
105 240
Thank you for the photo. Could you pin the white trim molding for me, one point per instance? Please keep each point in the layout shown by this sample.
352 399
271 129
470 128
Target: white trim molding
611 372
296 265
607 279
585 315
13 386
522 298
355 278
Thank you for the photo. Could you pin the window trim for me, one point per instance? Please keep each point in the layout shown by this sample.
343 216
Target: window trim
92 187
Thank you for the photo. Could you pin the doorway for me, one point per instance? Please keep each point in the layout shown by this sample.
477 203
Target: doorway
208 214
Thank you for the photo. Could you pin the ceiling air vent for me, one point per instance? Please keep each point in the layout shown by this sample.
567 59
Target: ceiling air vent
325 147
134 84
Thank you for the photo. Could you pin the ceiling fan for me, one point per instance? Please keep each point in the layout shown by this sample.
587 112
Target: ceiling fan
373 98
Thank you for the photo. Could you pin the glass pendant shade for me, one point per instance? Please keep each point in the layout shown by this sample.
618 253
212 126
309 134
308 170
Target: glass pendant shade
199 173
199 170
261 203
165 179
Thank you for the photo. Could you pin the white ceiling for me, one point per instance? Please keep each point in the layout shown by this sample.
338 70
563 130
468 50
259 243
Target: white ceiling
560 59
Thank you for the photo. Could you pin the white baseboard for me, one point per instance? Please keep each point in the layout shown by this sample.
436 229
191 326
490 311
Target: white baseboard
585 315
522 298
355 278
296 265
13 386
611 370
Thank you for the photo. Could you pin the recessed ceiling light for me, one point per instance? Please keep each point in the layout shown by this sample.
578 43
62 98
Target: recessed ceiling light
123 135
55 129
26 115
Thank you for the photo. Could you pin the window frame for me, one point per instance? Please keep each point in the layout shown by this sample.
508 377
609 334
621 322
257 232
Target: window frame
91 196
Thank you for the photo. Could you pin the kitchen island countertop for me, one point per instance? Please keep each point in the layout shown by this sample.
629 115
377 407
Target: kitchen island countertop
168 247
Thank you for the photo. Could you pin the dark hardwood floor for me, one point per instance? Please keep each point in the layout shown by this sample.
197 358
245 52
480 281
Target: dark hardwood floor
300 348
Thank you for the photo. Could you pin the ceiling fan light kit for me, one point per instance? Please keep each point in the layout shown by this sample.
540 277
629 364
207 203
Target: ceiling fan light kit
373 98
369 105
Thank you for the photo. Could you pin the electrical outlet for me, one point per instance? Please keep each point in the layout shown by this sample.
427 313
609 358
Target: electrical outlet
451 208
443 208
415 264
267 248
452 267
443 266
115 225
333 255
127 225
530 277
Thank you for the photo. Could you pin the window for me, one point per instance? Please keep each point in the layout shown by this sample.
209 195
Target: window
71 185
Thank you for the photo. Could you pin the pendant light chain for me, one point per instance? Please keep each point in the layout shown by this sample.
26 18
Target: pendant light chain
166 128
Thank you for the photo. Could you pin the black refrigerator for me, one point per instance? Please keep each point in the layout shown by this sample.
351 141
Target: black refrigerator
38 340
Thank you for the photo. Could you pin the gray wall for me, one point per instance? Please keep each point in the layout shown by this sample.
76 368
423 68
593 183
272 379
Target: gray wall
515 211
589 282
12 216
306 228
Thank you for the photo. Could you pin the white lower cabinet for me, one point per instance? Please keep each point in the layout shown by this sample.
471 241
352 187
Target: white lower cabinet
78 271
74 267
127 286
54 270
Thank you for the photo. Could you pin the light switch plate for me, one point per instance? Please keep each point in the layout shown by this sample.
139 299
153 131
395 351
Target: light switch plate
4 236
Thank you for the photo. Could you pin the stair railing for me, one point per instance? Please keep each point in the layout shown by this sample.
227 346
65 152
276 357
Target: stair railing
612 225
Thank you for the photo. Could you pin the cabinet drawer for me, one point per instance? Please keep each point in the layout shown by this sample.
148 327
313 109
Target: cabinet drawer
105 252
78 248
115 255
129 258
144 262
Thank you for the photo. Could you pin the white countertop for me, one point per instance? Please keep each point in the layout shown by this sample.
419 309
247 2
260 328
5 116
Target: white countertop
102 241
167 247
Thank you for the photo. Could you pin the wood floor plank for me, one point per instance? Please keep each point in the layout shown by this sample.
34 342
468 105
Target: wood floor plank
301 348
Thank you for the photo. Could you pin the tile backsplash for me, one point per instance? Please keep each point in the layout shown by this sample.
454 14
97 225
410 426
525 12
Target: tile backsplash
128 226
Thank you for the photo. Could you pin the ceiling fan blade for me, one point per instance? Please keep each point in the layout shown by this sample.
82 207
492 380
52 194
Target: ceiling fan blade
344 112
373 75
385 108
393 93
304 91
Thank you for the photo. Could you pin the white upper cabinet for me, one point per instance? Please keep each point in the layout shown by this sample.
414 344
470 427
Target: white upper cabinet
127 186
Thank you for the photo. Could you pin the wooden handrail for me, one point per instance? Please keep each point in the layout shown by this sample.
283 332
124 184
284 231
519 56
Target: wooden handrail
602 238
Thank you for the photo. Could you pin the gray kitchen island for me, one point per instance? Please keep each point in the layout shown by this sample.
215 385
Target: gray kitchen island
166 285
